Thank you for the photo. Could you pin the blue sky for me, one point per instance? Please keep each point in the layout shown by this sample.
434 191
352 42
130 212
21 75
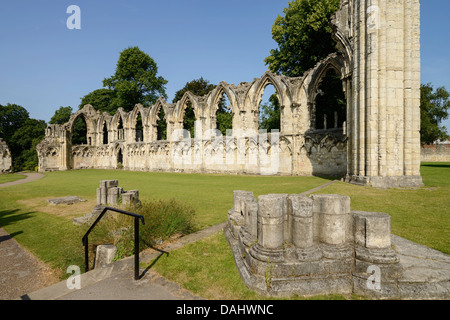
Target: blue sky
45 65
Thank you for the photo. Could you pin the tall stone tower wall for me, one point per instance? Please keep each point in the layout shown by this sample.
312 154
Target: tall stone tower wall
380 42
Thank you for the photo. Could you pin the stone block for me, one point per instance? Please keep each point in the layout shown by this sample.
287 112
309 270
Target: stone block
104 255
372 230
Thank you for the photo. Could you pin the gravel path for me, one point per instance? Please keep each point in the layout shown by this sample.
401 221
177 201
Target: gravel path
30 177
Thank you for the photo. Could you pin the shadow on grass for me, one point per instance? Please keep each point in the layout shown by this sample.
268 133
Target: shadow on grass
436 165
9 236
162 252
9 217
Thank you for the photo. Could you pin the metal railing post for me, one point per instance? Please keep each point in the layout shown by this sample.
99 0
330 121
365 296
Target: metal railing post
136 238
136 248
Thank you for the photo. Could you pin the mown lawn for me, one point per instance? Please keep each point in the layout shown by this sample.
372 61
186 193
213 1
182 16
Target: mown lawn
421 215
48 231
11 177
207 267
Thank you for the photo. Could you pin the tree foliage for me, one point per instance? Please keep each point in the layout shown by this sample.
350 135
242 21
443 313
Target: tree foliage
303 36
269 118
22 134
135 80
434 105
61 116
101 100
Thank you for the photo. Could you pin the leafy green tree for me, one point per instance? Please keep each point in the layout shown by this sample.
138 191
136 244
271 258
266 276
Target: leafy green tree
101 100
135 80
23 144
61 116
22 134
12 117
434 105
303 36
269 118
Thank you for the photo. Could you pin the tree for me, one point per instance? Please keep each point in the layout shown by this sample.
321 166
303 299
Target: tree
135 80
61 116
22 134
23 144
270 114
101 100
303 35
434 107
12 117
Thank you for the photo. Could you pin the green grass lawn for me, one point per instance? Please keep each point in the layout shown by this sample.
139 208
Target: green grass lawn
11 177
421 215
207 267
49 233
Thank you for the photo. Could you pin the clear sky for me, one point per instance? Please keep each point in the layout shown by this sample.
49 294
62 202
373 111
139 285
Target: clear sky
45 65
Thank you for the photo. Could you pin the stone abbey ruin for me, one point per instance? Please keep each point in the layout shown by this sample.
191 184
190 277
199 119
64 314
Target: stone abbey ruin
294 244
375 141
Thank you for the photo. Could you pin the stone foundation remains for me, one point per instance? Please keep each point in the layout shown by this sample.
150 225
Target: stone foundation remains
294 244
109 194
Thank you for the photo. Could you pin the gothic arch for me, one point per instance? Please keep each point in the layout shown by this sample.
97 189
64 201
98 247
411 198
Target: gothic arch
155 109
333 62
89 115
133 122
215 96
119 118
182 105
259 85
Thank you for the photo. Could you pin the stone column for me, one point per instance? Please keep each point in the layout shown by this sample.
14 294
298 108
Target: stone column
332 213
300 208
380 41
271 221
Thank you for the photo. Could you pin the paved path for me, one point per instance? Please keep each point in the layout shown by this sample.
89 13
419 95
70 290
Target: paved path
20 271
116 281
30 177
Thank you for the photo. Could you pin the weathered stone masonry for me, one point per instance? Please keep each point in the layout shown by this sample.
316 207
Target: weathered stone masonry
294 244
378 144
5 158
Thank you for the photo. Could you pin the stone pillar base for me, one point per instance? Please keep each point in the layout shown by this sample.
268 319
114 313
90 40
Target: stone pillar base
387 182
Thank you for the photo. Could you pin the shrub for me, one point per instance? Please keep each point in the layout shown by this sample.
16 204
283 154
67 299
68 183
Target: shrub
163 219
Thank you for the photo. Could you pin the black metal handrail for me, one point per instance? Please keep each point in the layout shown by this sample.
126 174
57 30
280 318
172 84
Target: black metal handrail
136 238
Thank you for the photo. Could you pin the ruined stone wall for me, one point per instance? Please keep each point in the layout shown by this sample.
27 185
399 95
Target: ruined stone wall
378 144
298 149
436 153
5 158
